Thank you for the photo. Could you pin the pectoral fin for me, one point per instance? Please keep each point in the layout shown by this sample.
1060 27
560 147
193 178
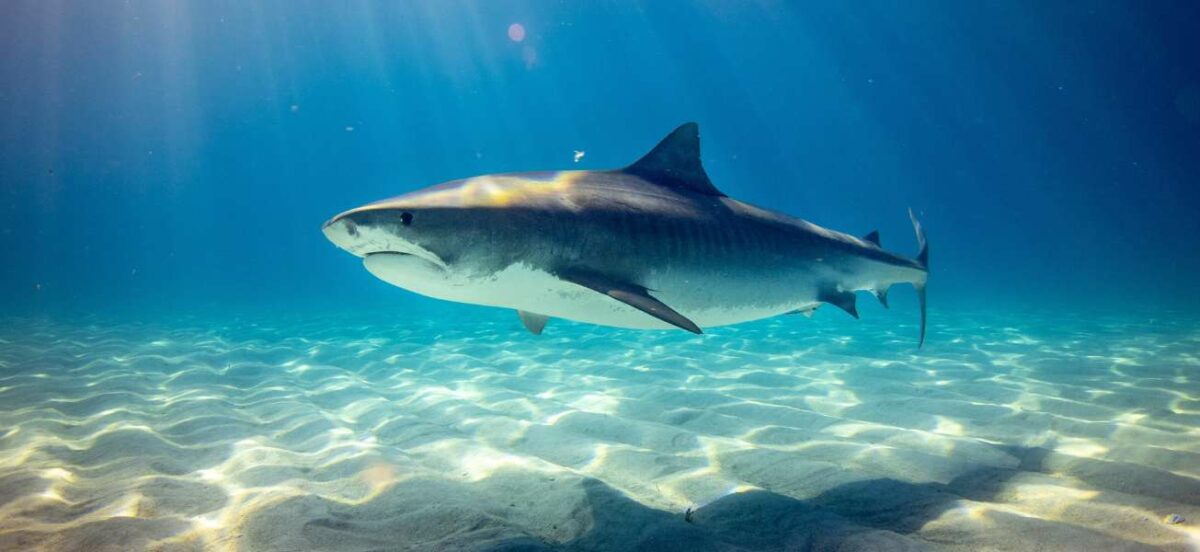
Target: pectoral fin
633 295
535 323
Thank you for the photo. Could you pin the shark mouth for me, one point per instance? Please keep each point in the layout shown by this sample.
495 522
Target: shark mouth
385 253
415 254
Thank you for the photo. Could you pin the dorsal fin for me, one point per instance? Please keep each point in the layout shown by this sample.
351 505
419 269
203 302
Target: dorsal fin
873 237
675 162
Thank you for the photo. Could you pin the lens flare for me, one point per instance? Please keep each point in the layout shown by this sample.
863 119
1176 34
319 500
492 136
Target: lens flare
516 32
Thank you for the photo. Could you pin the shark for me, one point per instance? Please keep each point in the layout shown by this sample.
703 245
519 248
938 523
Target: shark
654 245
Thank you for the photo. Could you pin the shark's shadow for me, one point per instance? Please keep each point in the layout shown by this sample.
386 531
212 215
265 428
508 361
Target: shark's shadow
878 514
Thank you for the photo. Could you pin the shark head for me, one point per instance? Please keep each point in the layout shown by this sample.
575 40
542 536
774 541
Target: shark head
404 226
447 235
409 241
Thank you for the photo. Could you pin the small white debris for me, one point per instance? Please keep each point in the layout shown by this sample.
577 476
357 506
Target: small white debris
579 155
349 129
294 107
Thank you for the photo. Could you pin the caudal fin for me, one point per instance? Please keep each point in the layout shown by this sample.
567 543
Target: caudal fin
923 258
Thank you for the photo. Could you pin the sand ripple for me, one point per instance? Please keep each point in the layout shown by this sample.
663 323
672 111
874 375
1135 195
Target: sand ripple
349 433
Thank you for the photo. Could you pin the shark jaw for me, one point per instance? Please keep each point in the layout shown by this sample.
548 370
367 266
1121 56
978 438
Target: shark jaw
366 241
411 272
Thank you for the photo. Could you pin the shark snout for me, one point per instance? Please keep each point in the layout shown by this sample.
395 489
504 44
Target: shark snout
342 231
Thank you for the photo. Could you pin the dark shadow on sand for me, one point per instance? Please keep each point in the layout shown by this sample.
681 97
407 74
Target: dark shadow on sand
878 514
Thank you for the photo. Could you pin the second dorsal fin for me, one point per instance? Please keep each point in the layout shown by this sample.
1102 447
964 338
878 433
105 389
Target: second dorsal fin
873 237
675 163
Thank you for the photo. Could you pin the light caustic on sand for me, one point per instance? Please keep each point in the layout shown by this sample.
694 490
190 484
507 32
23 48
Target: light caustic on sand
344 434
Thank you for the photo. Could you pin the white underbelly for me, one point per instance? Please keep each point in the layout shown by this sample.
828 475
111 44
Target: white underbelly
532 290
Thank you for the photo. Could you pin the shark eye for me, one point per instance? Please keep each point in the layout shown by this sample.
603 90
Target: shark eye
406 218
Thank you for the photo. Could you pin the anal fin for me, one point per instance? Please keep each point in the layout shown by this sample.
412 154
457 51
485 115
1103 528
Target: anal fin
533 322
631 294
844 300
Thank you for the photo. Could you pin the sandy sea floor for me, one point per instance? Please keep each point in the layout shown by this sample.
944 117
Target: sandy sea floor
347 433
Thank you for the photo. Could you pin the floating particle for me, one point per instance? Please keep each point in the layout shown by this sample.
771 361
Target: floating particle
529 56
516 32
579 155
349 129
294 107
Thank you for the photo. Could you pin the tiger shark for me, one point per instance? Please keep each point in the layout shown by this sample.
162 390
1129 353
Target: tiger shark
654 245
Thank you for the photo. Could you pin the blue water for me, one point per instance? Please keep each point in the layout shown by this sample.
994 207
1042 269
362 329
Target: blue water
166 293
1050 147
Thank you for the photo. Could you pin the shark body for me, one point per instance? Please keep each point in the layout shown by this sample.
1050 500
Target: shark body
654 245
